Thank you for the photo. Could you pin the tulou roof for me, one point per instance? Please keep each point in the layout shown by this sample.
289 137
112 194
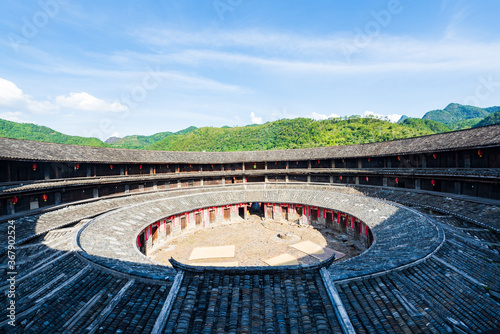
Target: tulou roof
15 149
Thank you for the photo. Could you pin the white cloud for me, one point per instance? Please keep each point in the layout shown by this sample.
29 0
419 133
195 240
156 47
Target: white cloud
284 113
255 119
392 118
17 102
152 76
13 97
254 38
14 116
10 93
175 79
41 107
317 116
378 58
328 53
85 101
454 28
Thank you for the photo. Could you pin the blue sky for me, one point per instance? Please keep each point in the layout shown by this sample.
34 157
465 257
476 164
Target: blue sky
104 68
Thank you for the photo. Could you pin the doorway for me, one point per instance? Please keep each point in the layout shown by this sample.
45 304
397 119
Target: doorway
299 211
183 222
314 215
329 220
269 211
142 243
168 227
284 212
227 213
155 233
370 238
343 222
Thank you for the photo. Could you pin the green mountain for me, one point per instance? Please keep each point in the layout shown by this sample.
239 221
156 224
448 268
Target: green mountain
425 124
492 109
30 131
402 119
281 134
489 120
142 142
457 116
291 133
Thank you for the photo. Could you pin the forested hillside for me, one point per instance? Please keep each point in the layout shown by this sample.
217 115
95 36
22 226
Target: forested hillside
425 124
457 116
141 142
291 133
281 134
489 120
30 131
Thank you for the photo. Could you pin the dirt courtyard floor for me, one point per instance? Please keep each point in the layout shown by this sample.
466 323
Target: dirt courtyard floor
256 240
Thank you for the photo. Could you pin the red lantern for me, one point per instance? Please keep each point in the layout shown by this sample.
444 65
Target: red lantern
399 158
434 155
212 166
167 166
480 153
34 166
367 179
340 177
275 162
77 166
433 182
369 159
110 166
343 160
140 166
44 197
397 180
318 162
297 163
14 200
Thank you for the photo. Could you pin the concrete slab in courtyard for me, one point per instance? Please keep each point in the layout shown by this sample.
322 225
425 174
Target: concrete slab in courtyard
212 252
308 247
282 260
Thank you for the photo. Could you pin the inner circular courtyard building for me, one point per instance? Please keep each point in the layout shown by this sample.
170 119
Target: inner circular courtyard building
400 236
